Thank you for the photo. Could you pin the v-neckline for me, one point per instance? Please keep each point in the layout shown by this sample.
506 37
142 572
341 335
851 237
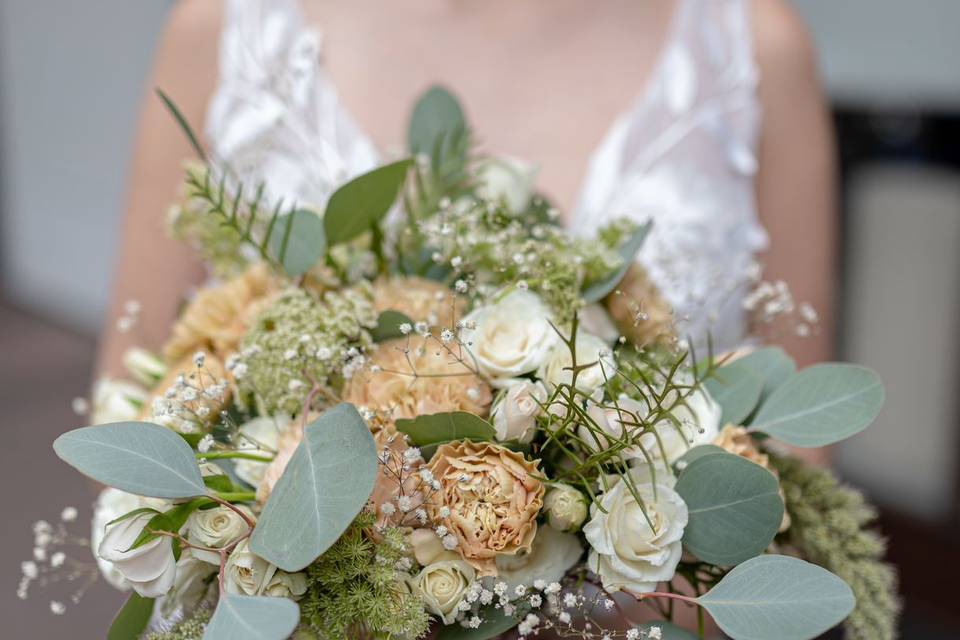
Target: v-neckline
643 97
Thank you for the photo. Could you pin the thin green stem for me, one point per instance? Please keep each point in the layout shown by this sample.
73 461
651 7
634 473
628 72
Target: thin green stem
243 455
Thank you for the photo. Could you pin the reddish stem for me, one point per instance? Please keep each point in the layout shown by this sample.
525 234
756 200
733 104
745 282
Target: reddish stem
664 594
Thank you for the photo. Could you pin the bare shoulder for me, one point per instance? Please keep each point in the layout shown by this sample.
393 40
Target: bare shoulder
782 43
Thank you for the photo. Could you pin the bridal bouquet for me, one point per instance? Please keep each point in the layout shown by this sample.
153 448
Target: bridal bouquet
424 408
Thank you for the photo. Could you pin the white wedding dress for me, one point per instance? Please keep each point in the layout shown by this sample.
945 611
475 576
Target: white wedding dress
684 154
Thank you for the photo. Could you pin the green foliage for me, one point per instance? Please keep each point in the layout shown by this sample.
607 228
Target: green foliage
596 291
772 364
438 428
360 205
821 405
138 457
252 618
388 325
734 505
132 618
773 596
335 323
736 388
191 628
828 526
325 485
219 245
356 589
439 130
299 238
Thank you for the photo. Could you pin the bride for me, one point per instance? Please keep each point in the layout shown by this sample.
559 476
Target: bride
704 115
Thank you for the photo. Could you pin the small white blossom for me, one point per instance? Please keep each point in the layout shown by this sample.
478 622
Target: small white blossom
199 358
205 443
57 559
29 569
449 542
405 328
80 406
388 509
57 607
69 514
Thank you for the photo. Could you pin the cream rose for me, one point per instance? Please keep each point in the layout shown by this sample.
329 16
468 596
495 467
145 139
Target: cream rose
191 584
510 337
150 568
428 548
590 349
248 574
216 528
565 507
260 435
697 422
442 586
613 422
552 555
111 504
508 180
515 412
626 552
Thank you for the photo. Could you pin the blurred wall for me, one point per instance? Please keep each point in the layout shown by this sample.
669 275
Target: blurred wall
71 76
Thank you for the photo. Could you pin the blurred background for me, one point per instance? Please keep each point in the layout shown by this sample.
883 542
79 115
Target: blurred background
71 78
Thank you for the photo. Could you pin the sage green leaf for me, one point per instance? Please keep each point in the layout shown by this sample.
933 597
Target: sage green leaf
596 291
361 203
298 240
326 484
772 365
132 619
494 623
252 618
821 405
438 428
137 457
388 325
697 452
774 596
436 123
736 388
669 631
734 508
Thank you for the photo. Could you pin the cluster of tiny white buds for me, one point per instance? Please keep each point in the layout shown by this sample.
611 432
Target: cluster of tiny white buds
205 443
405 328
461 286
131 313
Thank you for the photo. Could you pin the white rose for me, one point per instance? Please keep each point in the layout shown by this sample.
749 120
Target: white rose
508 180
510 337
246 573
428 548
286 585
698 422
625 551
595 319
556 368
565 507
442 586
145 367
258 436
551 556
190 585
111 504
215 528
150 568
515 412
116 401
613 422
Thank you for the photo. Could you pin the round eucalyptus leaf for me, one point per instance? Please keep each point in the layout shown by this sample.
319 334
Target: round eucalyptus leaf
734 508
298 240
696 453
137 457
775 596
772 365
325 485
252 618
362 203
438 428
821 405
736 388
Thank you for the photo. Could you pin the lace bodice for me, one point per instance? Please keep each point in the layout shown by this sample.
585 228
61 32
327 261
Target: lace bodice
684 154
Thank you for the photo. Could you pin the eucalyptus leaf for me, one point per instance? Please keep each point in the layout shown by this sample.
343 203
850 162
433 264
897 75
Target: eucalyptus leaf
363 202
325 485
772 365
132 619
252 618
821 405
734 508
596 291
298 240
697 452
736 388
438 428
435 124
137 457
773 596
388 325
